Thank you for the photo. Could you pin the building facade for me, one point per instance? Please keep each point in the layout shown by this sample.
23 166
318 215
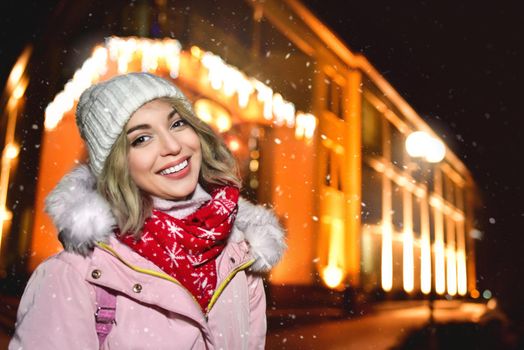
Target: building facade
319 135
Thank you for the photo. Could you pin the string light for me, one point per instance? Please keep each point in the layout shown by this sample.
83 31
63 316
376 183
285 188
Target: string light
222 76
231 81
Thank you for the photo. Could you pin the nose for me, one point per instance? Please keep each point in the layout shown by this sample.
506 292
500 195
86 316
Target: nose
169 145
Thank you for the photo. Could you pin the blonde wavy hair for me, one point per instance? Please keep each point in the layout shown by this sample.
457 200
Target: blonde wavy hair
130 205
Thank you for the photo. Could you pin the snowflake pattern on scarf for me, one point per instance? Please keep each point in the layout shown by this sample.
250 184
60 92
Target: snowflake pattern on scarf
187 248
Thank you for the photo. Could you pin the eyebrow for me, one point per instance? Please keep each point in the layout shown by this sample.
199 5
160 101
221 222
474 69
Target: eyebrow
147 126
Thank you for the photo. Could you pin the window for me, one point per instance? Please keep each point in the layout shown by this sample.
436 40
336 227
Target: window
448 189
371 129
416 216
371 196
334 97
397 147
397 207
332 176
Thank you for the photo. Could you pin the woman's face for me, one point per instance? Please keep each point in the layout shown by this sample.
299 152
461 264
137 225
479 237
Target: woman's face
165 155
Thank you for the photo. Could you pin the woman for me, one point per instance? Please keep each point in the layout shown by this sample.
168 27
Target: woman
160 251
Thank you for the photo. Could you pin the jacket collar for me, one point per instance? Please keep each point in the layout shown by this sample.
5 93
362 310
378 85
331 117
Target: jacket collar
83 218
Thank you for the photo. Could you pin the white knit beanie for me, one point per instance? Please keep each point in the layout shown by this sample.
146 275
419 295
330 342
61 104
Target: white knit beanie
104 109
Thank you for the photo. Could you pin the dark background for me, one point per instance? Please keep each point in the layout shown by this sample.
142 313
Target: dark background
458 64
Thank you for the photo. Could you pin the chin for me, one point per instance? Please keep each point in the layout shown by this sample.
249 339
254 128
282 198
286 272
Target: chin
181 194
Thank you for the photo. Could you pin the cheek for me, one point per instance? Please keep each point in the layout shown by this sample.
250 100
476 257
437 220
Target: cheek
196 146
192 141
197 149
138 164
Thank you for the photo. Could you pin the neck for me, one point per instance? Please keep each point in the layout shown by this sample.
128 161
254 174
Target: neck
182 208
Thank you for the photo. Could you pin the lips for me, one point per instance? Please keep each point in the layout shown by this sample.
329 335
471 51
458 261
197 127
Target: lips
174 167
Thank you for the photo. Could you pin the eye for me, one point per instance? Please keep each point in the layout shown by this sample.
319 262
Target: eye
140 140
178 123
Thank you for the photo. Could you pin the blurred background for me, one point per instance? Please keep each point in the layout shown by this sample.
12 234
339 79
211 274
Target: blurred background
386 137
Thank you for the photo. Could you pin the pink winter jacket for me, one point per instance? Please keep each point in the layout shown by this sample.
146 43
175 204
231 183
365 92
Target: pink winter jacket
153 311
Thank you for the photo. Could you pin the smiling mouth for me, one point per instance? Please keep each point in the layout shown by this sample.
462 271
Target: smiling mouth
175 168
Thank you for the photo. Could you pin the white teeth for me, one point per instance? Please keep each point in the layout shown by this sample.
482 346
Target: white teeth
175 169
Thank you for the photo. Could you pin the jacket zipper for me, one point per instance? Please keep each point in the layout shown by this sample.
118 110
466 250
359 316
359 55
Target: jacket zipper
164 276
224 284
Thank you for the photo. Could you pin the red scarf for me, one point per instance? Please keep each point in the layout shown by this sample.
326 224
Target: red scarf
187 248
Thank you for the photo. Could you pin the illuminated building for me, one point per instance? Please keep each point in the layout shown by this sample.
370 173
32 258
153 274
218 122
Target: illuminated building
319 135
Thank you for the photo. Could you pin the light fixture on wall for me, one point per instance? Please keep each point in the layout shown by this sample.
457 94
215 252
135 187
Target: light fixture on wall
420 144
332 276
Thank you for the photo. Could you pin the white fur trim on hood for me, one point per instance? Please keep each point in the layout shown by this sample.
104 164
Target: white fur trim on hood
83 218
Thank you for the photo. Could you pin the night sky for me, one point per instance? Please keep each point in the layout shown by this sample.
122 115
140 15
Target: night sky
458 65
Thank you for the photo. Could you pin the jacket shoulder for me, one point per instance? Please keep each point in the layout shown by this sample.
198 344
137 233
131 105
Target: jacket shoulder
58 272
69 262
57 300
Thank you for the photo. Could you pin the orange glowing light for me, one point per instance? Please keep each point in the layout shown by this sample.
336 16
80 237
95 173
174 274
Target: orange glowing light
5 215
18 70
11 151
214 114
196 52
233 145
332 276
